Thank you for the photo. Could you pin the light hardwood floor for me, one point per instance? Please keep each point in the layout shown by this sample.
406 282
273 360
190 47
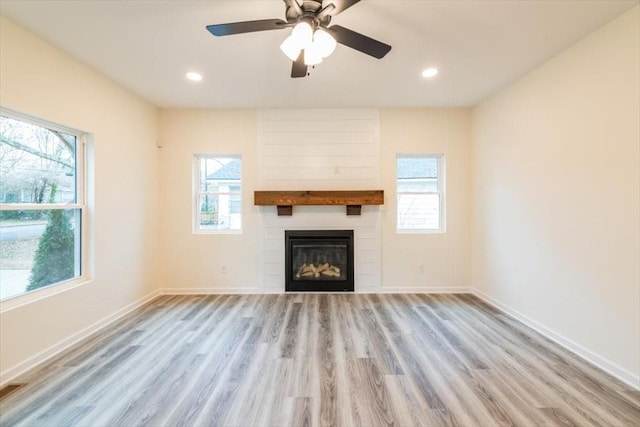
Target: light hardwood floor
344 360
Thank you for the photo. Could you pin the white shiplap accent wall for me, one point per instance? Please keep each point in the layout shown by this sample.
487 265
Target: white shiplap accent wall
320 150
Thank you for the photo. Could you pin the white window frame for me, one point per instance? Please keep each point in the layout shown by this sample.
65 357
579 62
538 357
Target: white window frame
197 194
82 261
441 192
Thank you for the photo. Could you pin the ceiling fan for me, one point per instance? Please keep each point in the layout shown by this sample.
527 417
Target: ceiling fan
312 39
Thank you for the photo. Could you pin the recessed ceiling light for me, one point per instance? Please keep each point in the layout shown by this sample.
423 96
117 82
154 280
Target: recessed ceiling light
193 76
429 73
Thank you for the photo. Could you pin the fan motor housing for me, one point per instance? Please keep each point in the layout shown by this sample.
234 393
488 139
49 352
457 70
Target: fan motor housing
309 8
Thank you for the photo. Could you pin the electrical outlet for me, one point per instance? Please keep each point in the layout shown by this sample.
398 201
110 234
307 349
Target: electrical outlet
223 269
421 268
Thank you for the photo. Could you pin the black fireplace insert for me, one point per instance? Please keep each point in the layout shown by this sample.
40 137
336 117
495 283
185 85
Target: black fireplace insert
319 261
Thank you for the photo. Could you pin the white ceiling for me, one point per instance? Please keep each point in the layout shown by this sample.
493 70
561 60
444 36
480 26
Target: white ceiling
148 45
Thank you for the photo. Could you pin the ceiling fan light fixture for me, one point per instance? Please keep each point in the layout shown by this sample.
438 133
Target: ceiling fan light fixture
303 34
312 56
302 46
324 43
291 48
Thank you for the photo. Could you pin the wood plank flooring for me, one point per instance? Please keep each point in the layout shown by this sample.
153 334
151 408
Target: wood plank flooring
318 360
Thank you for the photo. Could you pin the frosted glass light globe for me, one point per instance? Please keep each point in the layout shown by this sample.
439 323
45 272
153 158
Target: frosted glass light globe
303 33
312 56
324 42
291 48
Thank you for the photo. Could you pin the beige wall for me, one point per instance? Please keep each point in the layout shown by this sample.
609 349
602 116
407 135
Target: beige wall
556 197
427 261
193 261
39 80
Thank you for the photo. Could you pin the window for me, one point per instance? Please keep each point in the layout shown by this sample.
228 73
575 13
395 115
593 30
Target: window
218 194
420 192
42 204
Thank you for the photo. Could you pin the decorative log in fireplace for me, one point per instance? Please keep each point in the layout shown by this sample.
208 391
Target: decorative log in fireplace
319 261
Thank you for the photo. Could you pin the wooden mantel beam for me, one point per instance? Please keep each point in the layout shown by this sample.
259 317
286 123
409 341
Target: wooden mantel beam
352 199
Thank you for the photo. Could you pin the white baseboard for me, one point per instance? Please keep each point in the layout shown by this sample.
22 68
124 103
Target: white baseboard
210 291
420 290
586 354
13 372
372 290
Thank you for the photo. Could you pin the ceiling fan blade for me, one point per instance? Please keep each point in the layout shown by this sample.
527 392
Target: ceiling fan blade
341 5
359 41
299 68
246 27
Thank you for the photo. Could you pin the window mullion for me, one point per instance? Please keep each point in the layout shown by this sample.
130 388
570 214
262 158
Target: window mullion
419 192
39 206
80 168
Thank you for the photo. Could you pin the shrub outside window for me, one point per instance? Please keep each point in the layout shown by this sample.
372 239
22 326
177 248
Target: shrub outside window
42 204
218 193
420 193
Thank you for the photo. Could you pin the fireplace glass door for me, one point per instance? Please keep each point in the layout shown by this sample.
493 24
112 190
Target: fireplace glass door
319 260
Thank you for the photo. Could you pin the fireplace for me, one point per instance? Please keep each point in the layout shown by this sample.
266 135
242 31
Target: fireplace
319 261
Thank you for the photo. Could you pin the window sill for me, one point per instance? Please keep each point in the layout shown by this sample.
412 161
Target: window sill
21 300
216 232
421 231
